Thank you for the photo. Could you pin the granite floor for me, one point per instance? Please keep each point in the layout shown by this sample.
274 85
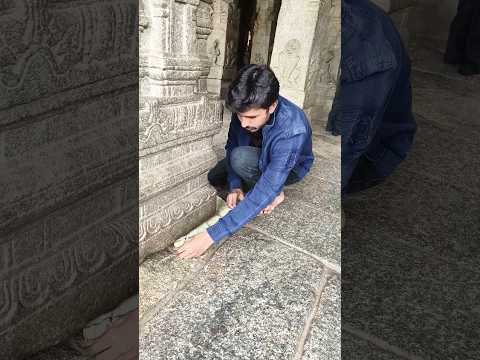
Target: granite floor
410 274
271 291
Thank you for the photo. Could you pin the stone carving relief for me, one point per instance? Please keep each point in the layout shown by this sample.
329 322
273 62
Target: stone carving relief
62 264
78 55
328 70
222 45
307 62
72 42
215 52
204 22
174 213
27 288
258 59
177 116
289 60
160 124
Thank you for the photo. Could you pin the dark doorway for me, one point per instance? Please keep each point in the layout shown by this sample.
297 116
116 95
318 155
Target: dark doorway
247 21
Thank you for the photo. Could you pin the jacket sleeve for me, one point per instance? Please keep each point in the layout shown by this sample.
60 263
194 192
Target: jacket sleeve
285 152
233 180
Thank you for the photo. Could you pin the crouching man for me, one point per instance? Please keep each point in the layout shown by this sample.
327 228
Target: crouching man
269 146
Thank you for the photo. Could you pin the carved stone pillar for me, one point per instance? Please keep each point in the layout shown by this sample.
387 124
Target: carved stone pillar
178 119
222 45
68 165
293 44
324 63
306 54
264 20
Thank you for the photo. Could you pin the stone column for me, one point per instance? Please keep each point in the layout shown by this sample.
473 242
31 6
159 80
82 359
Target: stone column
306 54
262 32
222 44
294 39
178 119
68 165
324 63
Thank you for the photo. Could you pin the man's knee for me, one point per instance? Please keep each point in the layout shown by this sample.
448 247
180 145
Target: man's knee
244 161
239 159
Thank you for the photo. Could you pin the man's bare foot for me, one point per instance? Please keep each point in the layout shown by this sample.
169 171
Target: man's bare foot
277 201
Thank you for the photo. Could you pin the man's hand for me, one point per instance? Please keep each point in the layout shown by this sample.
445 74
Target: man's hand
196 246
277 201
235 196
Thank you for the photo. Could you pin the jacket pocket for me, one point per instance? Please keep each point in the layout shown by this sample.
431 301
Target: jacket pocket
361 135
356 128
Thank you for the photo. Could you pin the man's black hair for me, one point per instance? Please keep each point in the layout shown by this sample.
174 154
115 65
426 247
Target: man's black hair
256 86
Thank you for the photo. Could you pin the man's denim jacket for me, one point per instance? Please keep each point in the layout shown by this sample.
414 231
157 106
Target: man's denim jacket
286 146
372 109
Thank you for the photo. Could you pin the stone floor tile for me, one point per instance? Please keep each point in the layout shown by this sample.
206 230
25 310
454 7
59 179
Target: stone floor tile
318 193
409 298
249 302
430 202
354 348
154 289
324 341
460 165
309 227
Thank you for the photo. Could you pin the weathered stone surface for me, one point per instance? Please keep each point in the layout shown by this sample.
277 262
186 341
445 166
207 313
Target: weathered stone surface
68 193
61 352
399 11
427 62
425 157
42 68
408 300
324 62
306 54
48 318
324 341
439 105
409 247
250 286
156 291
394 5
325 145
178 119
326 169
430 202
291 221
354 348
293 42
317 193
262 32
430 21
222 45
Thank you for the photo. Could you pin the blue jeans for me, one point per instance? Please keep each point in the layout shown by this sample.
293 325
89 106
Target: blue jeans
244 161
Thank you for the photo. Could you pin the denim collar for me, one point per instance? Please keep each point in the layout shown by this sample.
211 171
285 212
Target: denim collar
273 117
361 29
